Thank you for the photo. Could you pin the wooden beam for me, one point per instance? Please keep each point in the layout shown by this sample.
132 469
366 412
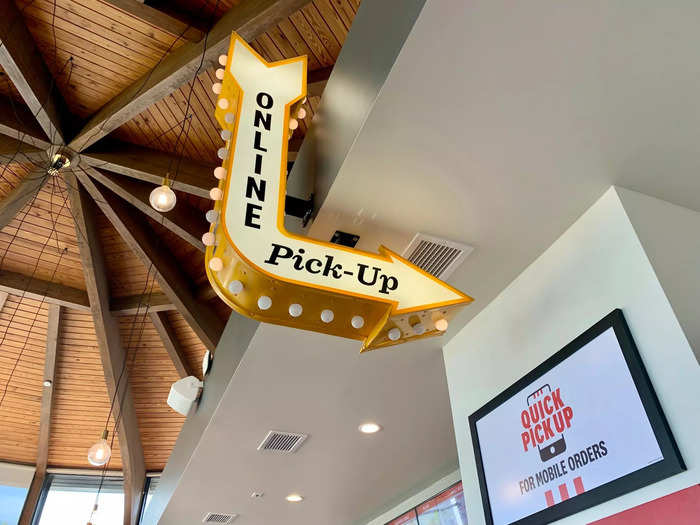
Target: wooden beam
74 298
13 150
21 60
138 305
185 221
30 502
249 19
52 293
17 121
316 81
112 352
172 345
42 452
52 333
152 166
191 30
20 196
144 243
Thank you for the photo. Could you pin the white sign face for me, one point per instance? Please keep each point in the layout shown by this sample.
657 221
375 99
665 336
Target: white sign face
580 425
254 202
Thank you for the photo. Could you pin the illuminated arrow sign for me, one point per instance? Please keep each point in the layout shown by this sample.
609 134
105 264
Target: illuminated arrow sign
267 273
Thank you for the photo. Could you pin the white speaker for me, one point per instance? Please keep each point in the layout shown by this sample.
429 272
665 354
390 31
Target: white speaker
184 393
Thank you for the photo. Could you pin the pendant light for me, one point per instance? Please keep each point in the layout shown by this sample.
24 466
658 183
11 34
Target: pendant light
163 198
100 452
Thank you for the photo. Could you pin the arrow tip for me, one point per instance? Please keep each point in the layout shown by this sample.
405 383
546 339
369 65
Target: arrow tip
423 291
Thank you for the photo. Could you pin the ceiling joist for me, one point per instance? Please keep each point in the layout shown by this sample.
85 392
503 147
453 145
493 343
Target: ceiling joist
144 243
112 352
249 19
184 220
21 60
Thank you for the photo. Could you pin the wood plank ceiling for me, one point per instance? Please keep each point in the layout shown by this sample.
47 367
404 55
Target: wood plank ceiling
94 50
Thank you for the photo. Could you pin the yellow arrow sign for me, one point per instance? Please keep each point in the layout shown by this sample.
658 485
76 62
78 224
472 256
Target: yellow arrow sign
265 272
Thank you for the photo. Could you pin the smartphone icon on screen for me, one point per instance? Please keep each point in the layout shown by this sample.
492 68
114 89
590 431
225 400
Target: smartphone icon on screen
557 444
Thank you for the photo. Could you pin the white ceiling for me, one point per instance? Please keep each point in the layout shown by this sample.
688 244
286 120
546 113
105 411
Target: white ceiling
500 123
306 382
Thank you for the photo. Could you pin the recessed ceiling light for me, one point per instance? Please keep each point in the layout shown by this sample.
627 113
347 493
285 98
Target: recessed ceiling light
369 428
294 498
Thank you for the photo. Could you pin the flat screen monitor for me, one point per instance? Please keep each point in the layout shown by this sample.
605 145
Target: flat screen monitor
583 427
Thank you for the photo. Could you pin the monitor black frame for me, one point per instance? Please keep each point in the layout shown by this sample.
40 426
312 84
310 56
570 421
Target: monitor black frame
670 465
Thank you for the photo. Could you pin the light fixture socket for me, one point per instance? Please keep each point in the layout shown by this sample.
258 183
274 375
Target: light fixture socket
58 162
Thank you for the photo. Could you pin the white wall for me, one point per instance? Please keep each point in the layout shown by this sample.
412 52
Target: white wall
670 236
595 266
16 475
416 499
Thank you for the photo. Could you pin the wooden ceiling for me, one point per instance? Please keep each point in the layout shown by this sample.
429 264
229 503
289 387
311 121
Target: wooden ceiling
89 274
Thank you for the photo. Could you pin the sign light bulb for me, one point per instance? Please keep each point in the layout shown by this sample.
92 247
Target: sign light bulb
219 173
357 322
216 264
162 198
212 216
264 302
100 452
208 239
294 498
235 287
295 310
394 334
327 316
441 324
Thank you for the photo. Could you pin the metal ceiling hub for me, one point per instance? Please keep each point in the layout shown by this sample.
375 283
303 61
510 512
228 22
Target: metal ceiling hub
58 162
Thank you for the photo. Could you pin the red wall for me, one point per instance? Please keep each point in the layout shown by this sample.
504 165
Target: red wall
679 508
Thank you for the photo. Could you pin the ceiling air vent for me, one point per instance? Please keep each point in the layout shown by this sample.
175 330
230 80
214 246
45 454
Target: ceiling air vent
219 517
438 257
278 441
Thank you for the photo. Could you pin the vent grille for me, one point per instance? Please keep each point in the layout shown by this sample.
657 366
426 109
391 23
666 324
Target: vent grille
278 441
438 257
219 517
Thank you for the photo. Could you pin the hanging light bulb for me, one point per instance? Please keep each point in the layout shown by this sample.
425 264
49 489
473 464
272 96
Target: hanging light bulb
100 452
163 198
